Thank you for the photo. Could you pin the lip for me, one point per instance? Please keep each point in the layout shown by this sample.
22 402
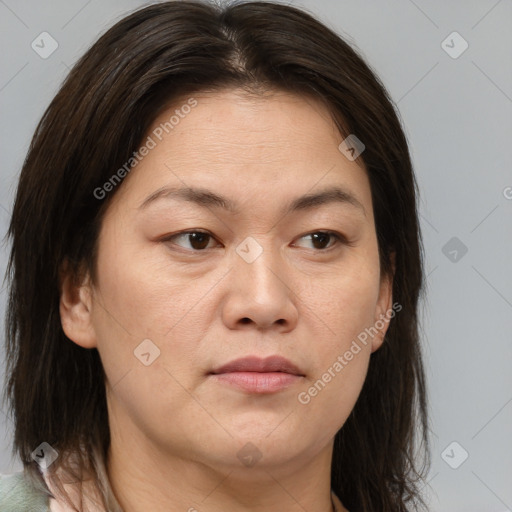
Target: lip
254 374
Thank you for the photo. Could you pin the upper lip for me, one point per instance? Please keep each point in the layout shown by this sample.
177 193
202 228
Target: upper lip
258 364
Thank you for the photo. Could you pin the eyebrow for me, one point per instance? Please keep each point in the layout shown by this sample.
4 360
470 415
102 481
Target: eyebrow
207 199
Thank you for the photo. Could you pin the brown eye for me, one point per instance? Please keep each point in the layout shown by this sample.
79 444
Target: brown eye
197 240
321 239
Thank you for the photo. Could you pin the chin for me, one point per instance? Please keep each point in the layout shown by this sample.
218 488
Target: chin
256 449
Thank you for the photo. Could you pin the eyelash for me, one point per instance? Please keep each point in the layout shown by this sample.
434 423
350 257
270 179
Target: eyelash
339 238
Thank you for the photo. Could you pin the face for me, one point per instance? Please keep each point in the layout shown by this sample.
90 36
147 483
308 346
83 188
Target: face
237 268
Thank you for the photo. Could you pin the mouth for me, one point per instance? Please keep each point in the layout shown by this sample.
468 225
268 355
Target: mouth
258 375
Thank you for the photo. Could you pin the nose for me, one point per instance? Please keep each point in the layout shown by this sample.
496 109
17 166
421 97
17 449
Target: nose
260 294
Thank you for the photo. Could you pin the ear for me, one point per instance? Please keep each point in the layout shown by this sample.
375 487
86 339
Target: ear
384 311
75 308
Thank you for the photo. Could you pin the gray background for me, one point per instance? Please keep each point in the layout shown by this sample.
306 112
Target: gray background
457 116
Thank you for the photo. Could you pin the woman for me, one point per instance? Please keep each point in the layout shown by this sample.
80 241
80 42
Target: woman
214 279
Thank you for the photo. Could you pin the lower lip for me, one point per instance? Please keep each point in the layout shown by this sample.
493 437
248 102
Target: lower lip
256 382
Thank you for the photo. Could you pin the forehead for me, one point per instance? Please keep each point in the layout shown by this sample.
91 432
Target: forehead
272 147
249 123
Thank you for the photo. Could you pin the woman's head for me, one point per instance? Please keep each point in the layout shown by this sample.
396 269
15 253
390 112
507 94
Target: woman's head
211 184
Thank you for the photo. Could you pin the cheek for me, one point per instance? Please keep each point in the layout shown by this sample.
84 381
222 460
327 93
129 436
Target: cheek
346 311
139 303
140 299
336 389
342 359
148 397
140 293
346 306
355 307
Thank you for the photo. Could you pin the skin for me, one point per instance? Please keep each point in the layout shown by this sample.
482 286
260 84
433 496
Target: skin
175 430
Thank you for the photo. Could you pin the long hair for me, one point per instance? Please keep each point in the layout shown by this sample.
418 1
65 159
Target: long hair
96 121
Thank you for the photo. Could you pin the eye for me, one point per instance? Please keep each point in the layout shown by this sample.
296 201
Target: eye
198 240
320 239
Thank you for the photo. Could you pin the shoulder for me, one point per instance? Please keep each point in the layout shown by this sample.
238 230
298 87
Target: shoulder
18 494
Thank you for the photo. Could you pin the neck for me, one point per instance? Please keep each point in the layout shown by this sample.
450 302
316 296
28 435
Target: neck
144 477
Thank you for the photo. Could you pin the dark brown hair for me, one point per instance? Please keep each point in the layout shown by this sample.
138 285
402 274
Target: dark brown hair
92 127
